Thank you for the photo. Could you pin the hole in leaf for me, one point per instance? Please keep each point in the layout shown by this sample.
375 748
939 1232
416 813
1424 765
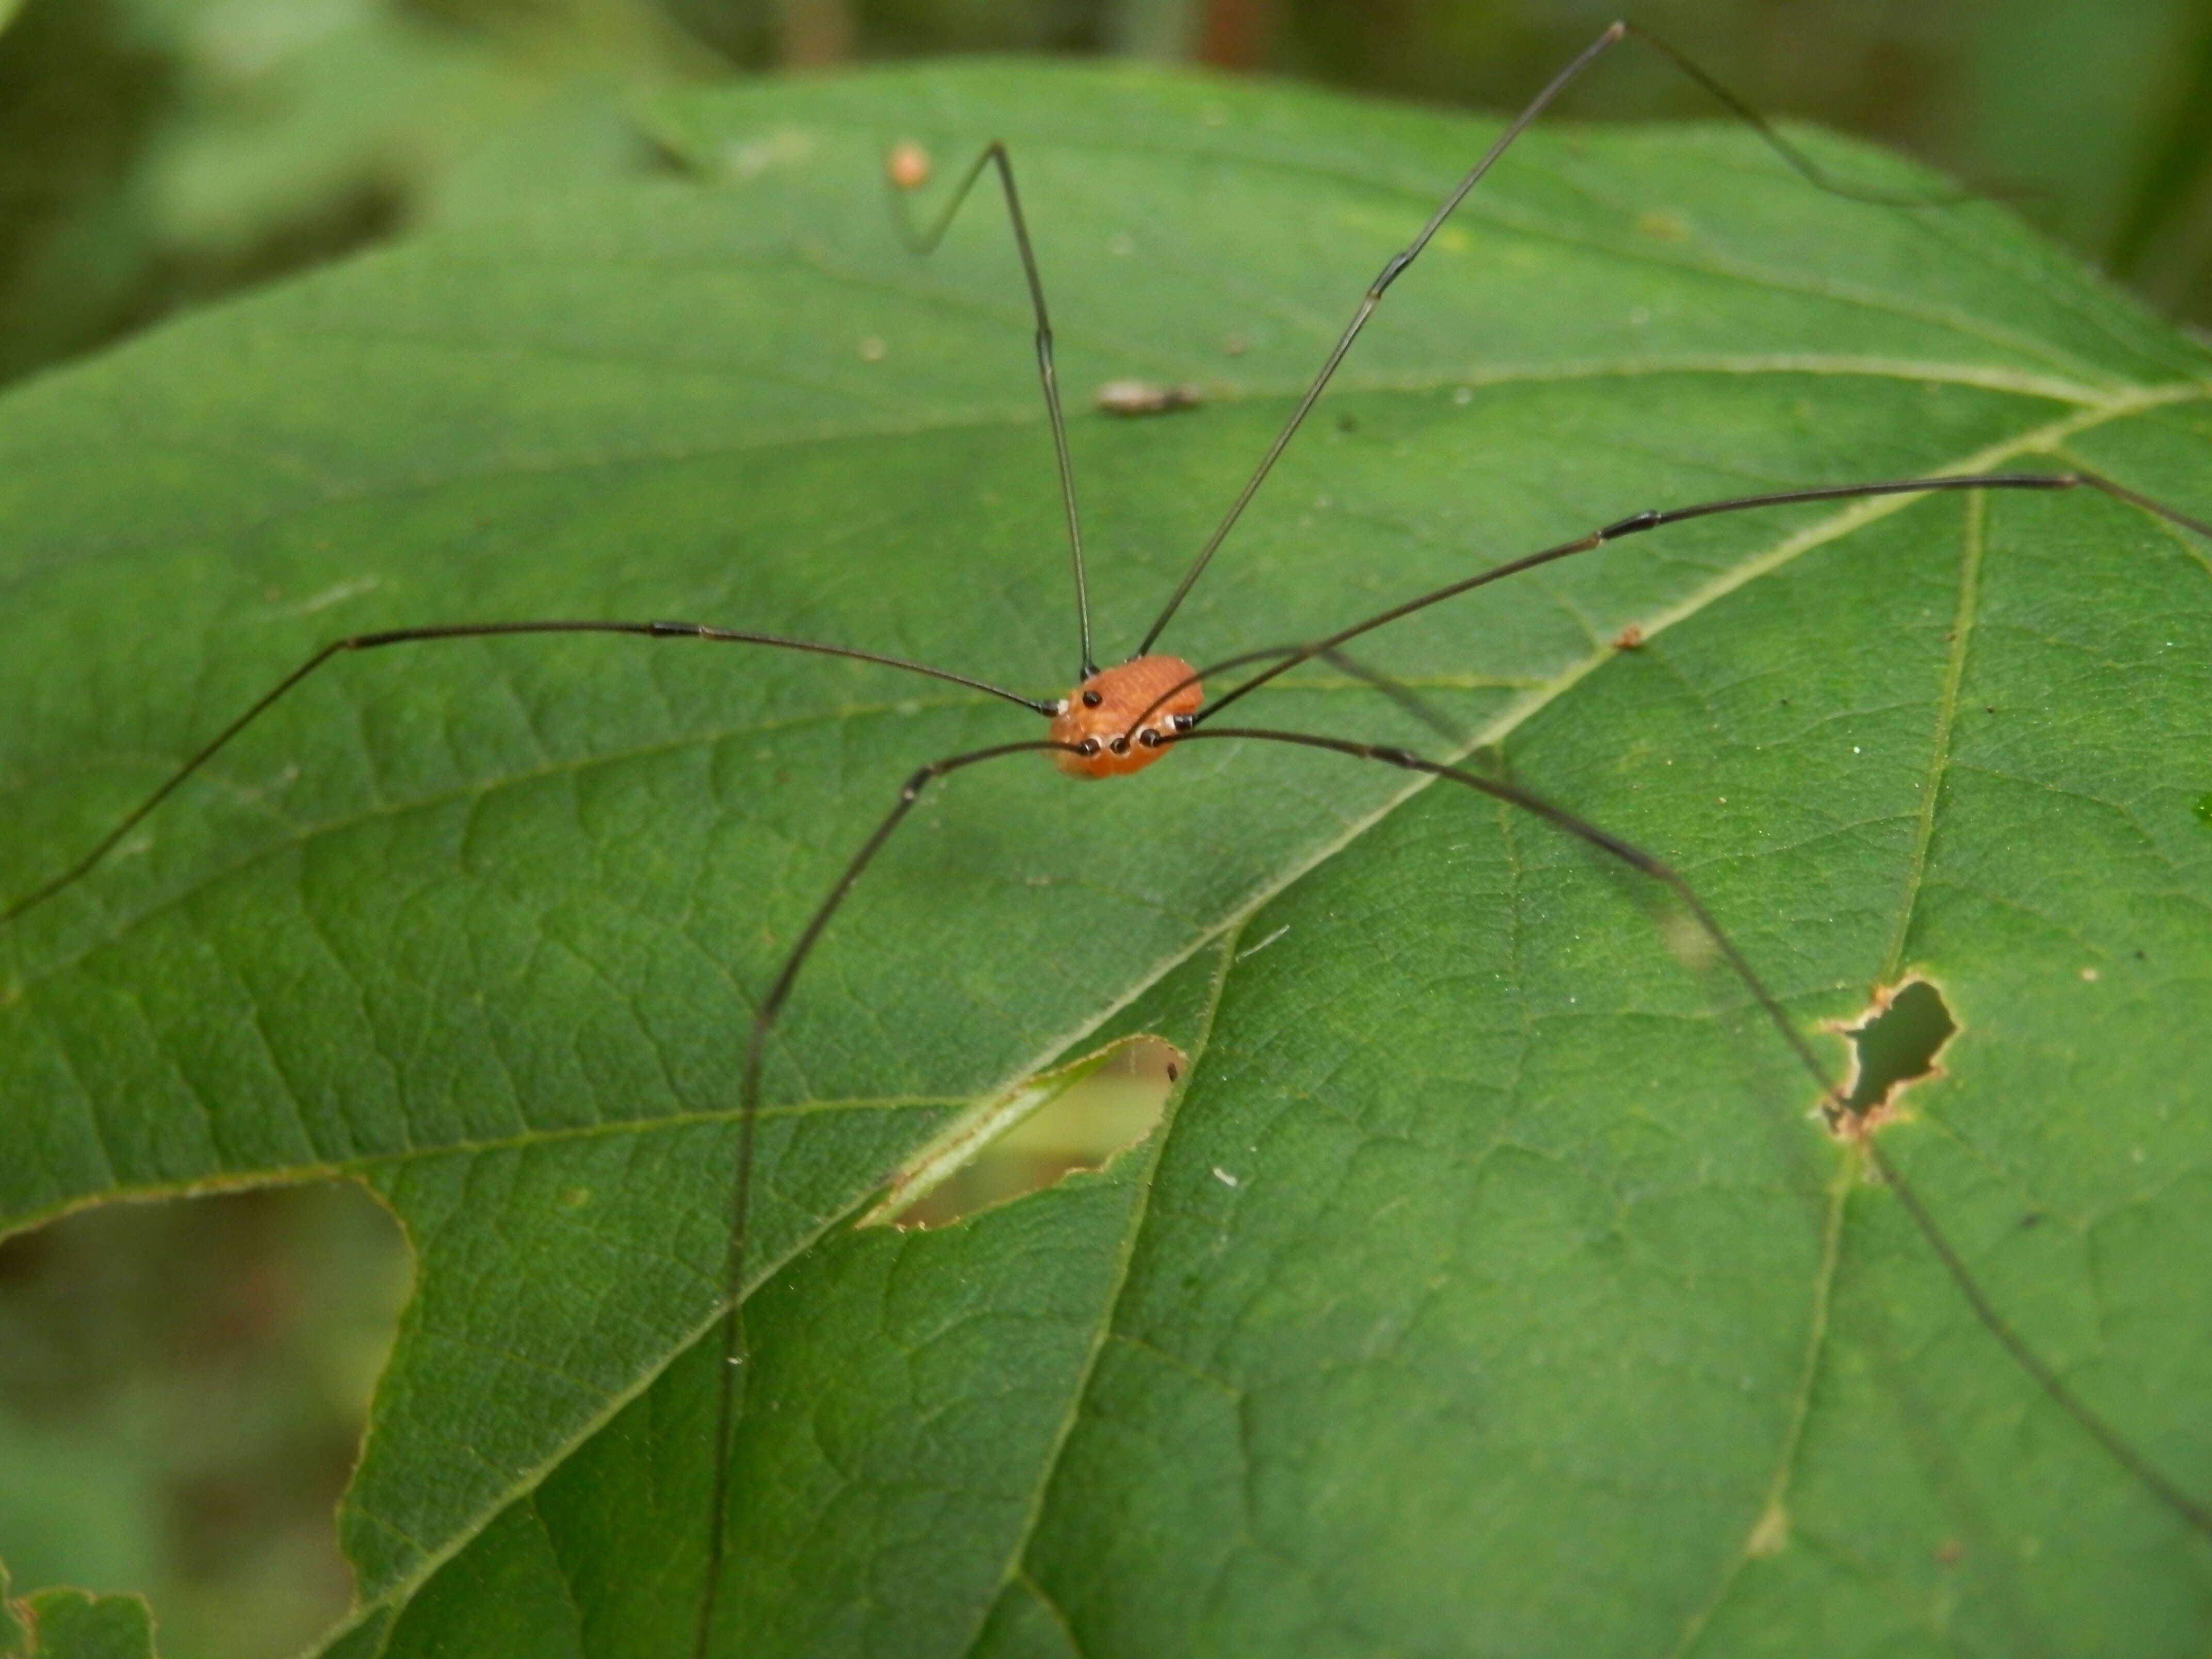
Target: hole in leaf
1076 1117
1895 1043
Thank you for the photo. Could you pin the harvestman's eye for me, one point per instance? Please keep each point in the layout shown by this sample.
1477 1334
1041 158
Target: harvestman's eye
1092 699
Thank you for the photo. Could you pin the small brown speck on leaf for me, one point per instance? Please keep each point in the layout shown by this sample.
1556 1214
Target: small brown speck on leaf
1132 397
907 166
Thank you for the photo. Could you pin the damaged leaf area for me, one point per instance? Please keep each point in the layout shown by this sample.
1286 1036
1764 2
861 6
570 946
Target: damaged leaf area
1075 1117
1895 1043
1483 1287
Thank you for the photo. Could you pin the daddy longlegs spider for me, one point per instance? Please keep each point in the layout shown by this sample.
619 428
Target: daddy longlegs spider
1122 718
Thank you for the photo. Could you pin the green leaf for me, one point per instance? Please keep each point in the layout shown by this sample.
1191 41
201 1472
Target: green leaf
1488 1287
73 1624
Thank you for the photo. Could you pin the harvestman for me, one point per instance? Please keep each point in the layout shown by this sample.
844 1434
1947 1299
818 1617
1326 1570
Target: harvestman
1117 721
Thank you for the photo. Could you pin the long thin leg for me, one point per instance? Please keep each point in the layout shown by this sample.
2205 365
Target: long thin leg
741 1179
1636 523
653 630
2192 1511
1810 170
1404 695
925 242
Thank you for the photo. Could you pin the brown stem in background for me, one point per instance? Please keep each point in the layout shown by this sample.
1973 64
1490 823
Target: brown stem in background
812 32
1235 32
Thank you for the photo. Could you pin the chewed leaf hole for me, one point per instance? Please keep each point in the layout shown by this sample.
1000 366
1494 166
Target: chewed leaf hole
1076 1117
1896 1044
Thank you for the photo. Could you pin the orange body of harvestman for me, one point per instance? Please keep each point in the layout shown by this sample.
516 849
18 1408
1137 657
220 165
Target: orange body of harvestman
1119 720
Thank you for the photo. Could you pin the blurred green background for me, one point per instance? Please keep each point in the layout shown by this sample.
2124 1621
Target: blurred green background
156 152
181 1386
